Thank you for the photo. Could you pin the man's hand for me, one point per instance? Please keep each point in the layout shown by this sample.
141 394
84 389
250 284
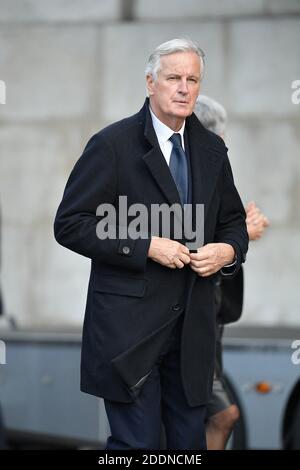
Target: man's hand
256 221
211 258
168 252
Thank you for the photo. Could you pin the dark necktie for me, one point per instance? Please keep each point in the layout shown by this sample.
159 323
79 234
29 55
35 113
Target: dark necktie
178 167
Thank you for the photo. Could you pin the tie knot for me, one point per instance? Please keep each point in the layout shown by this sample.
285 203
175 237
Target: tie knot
176 140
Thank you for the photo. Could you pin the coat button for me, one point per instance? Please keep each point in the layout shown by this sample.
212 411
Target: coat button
126 250
176 307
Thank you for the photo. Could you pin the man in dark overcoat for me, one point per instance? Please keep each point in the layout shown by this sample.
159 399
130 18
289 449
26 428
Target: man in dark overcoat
149 330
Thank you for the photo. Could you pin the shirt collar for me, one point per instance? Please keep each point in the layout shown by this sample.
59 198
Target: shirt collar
164 132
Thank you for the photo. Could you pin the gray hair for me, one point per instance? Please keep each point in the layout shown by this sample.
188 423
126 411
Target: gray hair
211 114
170 47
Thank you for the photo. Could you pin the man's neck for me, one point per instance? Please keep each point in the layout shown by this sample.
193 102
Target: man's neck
176 124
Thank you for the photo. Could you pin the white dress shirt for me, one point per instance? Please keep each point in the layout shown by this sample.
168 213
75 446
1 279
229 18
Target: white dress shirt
163 134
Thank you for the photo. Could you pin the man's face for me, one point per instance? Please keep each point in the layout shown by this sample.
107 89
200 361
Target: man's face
175 90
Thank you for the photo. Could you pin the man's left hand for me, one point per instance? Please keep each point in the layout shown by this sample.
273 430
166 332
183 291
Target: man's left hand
211 258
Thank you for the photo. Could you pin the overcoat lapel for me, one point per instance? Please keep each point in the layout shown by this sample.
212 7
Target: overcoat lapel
157 164
206 163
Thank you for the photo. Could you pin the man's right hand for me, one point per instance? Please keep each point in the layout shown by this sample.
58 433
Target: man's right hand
168 253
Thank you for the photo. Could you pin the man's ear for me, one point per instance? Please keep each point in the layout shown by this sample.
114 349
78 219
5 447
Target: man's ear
150 84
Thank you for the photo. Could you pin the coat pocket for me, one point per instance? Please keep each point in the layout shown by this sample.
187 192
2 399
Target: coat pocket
118 285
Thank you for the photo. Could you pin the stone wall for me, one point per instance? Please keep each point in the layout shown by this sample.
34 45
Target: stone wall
71 68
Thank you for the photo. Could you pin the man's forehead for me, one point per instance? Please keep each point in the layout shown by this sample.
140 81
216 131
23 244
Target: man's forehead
180 60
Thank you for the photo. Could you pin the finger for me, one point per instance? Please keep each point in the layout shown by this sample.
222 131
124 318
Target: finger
199 264
179 264
207 270
254 221
257 225
194 264
207 273
253 213
184 249
194 268
200 256
171 266
185 258
204 272
252 208
200 271
257 236
250 205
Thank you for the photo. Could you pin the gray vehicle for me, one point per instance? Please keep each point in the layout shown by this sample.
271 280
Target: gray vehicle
43 406
262 369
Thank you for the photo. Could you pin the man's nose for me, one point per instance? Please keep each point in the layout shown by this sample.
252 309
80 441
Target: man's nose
183 88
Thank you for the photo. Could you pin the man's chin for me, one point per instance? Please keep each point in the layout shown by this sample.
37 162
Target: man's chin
183 111
183 114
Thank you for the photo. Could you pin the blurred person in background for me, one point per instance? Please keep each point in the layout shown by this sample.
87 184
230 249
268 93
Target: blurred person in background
222 412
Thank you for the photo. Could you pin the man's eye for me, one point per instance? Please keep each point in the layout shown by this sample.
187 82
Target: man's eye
193 80
172 78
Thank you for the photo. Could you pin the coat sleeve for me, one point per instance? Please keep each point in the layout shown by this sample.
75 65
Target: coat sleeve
231 223
93 181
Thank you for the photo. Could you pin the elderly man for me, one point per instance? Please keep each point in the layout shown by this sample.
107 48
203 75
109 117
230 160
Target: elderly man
149 330
222 413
